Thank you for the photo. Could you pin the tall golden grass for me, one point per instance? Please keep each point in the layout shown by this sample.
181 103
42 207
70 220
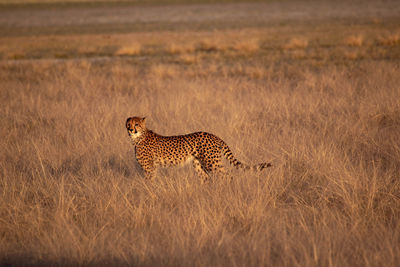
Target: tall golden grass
72 193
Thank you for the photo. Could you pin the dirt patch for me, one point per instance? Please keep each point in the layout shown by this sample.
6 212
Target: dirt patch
261 12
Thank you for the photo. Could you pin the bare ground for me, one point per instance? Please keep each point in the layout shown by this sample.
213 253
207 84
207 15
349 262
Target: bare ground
262 13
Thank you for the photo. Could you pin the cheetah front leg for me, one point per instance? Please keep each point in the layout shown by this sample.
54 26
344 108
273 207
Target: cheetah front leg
200 171
150 174
148 168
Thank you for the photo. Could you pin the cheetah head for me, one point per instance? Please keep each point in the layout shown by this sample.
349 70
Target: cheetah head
136 126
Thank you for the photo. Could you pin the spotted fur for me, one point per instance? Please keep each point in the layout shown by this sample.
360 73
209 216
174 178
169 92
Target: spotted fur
203 149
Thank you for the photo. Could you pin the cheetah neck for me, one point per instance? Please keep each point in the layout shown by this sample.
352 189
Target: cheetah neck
137 139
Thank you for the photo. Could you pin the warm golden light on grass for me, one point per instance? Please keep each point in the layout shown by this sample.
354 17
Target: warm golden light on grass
356 40
391 39
129 50
323 107
72 191
296 42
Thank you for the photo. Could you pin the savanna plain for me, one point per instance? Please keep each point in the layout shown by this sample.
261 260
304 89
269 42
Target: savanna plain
311 86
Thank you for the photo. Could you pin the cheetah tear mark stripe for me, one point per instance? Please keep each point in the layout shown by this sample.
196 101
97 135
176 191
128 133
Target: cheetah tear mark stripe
238 165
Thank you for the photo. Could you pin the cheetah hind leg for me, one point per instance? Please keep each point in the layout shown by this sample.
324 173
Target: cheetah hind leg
221 172
200 170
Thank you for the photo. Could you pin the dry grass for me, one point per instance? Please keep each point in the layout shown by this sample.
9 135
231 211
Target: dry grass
163 71
129 50
213 45
296 43
247 45
189 58
354 40
72 192
328 117
391 39
181 48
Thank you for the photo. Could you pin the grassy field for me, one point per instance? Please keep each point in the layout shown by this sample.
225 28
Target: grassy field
317 97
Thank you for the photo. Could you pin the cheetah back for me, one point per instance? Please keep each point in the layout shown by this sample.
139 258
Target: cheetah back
176 150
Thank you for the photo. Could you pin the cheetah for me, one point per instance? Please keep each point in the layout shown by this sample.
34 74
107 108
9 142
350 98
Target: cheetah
203 149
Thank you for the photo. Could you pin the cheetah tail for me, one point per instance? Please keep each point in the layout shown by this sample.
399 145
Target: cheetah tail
239 165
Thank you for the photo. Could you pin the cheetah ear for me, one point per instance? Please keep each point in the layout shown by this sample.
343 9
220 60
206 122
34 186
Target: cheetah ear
144 120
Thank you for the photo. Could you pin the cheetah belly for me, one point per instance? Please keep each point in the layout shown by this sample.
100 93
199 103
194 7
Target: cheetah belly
166 162
172 153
